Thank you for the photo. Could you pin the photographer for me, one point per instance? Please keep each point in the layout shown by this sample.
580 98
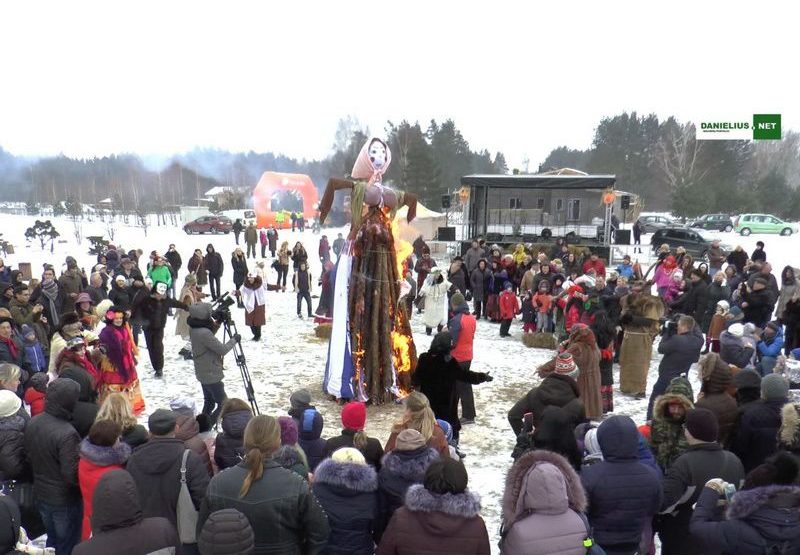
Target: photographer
681 342
208 354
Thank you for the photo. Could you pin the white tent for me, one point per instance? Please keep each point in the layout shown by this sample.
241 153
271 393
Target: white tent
426 223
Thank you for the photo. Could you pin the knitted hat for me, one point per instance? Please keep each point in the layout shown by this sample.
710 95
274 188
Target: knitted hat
702 424
300 399
774 387
409 439
724 305
348 455
162 422
120 277
565 364
457 299
289 434
747 379
10 403
447 429
26 330
591 445
183 406
226 531
507 285
736 329
354 416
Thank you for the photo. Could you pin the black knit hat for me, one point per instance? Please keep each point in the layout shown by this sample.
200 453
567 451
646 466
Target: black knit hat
226 531
747 379
702 424
780 468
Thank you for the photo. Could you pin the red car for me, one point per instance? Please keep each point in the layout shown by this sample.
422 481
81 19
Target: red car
209 224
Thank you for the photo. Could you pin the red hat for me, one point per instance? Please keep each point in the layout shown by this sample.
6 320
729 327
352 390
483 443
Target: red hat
644 429
565 364
670 262
354 416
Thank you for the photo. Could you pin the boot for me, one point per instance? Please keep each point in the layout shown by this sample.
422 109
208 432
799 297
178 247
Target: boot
159 374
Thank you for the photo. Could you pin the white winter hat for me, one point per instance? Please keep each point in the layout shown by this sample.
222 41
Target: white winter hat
10 403
736 329
183 406
120 277
724 305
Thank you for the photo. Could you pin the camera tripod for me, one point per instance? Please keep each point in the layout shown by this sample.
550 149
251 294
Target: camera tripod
238 352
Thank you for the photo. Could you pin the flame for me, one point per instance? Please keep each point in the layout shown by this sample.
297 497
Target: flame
401 348
402 248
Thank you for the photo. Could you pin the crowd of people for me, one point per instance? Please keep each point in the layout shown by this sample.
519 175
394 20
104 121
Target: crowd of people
711 473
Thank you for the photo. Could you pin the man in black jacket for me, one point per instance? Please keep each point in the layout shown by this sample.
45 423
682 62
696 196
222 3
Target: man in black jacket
681 348
757 431
555 390
696 301
175 263
52 444
757 302
153 310
703 460
155 467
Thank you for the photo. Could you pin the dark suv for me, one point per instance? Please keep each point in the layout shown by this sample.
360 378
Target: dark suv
681 236
717 222
209 224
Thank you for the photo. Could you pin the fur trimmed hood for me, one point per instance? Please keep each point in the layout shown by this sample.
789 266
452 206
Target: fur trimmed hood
352 476
747 502
789 435
522 474
410 465
679 391
105 456
466 504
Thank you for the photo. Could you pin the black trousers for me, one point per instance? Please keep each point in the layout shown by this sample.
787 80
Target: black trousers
236 235
429 330
213 285
264 252
505 325
283 272
251 247
256 332
154 338
478 308
464 391
213 397
303 295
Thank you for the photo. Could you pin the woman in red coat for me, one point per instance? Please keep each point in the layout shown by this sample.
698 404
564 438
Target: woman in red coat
101 452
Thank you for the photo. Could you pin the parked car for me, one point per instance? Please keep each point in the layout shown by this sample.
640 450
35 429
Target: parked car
763 223
209 224
651 223
676 235
717 222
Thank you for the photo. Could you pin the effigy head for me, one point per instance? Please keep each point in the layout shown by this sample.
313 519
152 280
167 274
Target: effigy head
373 160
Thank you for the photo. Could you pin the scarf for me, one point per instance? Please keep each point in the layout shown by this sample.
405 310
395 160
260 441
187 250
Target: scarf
253 296
119 350
12 347
50 290
82 362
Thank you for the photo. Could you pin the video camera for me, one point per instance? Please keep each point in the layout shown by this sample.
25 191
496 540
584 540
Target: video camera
221 308
669 325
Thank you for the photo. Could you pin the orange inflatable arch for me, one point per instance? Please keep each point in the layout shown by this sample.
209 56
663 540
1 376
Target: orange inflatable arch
271 182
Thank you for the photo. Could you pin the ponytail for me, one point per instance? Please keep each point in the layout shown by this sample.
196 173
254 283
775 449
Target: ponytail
262 437
360 440
254 461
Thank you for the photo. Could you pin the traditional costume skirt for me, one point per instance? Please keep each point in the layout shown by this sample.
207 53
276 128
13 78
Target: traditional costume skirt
131 391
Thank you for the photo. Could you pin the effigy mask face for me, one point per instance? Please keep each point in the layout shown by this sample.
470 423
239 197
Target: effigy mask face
377 154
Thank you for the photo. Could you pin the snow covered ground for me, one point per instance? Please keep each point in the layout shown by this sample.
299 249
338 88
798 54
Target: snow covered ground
289 355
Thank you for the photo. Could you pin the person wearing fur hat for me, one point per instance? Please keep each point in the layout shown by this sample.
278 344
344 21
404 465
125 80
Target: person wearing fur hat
557 389
509 308
439 516
401 467
761 518
667 436
623 493
639 319
543 503
154 310
757 433
101 451
118 362
582 347
703 460
438 375
354 420
290 455
347 489
435 291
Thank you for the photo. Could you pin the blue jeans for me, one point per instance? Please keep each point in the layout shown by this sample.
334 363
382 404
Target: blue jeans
63 525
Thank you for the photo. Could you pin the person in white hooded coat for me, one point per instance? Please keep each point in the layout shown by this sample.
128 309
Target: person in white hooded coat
435 290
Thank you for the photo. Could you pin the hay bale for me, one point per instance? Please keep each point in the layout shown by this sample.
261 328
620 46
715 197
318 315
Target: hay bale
540 340
323 331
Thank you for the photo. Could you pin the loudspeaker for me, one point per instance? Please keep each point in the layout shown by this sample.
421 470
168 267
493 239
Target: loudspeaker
622 237
529 238
446 234
445 201
626 202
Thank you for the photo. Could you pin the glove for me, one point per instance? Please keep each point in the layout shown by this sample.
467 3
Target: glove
486 377
237 337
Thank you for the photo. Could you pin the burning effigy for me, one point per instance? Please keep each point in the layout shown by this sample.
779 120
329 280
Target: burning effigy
371 352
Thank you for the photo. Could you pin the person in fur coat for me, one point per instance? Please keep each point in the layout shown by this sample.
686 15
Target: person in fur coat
716 394
583 347
542 505
439 517
435 291
639 319
762 518
347 489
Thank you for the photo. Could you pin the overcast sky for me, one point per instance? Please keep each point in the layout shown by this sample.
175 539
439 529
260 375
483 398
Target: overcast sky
93 78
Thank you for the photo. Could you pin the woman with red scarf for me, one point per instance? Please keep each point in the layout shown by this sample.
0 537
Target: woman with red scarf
118 363
11 348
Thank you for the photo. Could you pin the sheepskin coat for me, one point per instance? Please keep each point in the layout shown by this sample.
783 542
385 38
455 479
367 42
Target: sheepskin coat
542 498
762 520
436 524
348 492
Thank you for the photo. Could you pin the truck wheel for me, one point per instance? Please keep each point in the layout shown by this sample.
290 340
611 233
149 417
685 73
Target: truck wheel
546 233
